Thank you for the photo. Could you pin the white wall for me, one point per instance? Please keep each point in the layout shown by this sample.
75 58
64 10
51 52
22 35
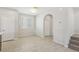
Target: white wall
69 26
8 19
61 22
17 16
59 16
76 20
26 25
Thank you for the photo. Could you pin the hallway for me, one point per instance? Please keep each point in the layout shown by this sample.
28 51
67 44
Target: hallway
33 44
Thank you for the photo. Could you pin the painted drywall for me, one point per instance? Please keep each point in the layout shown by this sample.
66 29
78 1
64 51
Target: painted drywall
26 25
27 10
69 26
0 24
76 20
58 18
63 21
62 18
8 24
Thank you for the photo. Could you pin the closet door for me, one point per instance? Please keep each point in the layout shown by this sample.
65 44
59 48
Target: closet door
8 27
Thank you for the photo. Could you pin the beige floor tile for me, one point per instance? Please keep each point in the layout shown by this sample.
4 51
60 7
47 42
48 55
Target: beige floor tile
33 44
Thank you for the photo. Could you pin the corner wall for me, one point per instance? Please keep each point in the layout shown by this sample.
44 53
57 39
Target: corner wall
69 26
59 24
76 25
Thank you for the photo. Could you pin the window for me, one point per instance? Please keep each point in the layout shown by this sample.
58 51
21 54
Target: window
27 23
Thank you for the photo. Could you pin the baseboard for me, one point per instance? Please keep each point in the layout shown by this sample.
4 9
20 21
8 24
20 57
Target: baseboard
40 35
66 45
8 40
58 42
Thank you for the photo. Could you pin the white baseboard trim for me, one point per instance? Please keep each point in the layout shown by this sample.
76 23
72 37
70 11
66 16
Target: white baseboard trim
40 35
66 46
58 42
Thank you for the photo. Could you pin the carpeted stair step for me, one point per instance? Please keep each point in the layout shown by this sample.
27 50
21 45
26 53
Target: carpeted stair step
74 42
75 37
74 47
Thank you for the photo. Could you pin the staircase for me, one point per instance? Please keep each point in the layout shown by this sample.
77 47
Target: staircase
74 42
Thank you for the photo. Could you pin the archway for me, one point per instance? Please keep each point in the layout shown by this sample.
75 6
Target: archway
48 25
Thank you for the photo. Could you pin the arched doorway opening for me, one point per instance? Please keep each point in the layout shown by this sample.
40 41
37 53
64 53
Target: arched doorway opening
48 30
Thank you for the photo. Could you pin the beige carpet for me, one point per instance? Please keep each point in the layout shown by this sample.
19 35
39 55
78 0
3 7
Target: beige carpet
33 44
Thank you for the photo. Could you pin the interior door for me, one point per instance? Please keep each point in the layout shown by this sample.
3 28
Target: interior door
8 27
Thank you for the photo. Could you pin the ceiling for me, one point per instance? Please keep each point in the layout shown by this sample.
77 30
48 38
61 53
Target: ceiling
26 10
76 9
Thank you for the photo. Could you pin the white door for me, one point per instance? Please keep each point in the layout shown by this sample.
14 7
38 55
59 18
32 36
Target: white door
8 27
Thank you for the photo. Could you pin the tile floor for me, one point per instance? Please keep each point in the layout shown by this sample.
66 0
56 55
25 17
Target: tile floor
33 44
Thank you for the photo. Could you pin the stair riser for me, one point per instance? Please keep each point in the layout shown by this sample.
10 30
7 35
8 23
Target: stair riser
74 42
74 48
73 38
